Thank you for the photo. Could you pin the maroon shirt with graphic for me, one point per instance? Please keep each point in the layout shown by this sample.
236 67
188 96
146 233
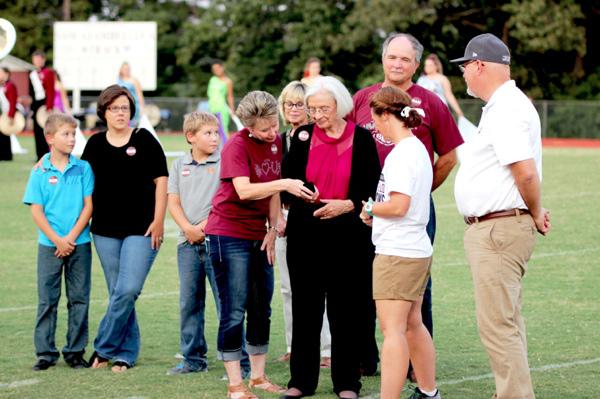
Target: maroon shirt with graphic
438 132
244 155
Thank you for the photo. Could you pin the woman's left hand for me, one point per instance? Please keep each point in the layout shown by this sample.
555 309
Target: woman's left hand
269 244
333 208
156 231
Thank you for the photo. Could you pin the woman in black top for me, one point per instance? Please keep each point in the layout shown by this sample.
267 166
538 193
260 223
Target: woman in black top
130 198
329 250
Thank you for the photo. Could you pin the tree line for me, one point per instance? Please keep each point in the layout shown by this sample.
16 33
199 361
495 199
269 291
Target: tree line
265 43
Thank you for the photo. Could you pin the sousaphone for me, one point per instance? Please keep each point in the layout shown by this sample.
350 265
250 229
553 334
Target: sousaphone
8 37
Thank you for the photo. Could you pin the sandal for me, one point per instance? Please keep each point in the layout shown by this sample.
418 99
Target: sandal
97 362
239 392
120 366
266 385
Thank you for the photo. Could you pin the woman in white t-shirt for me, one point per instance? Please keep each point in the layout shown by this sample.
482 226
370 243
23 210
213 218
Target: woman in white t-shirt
403 250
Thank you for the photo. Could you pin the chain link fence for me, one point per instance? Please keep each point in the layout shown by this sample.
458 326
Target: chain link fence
577 119
573 119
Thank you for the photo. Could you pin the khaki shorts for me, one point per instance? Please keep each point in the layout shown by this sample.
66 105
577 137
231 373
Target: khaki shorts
399 278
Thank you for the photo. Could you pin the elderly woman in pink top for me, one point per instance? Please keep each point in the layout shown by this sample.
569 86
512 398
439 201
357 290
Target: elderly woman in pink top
329 250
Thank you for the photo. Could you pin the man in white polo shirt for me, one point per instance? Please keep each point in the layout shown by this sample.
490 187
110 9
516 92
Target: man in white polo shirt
497 191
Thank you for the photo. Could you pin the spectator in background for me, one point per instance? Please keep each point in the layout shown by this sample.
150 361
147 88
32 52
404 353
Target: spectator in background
61 99
433 79
8 108
220 95
134 88
312 71
41 88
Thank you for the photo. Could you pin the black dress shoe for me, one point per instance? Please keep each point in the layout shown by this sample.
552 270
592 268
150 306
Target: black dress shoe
77 362
42 364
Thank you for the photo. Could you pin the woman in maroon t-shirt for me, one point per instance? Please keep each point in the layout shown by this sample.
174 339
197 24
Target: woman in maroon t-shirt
329 251
240 238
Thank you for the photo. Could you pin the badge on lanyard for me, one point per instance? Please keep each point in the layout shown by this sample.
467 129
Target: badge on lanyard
131 151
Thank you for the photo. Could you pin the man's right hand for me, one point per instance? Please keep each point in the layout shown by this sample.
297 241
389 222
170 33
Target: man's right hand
542 222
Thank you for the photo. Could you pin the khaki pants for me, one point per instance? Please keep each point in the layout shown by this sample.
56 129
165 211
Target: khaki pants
497 251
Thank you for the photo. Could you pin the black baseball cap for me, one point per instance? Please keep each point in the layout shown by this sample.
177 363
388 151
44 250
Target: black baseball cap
486 47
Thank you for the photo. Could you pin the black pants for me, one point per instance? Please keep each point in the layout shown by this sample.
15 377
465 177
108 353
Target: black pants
41 146
328 259
5 148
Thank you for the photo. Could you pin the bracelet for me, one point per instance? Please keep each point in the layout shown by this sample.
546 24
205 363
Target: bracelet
369 207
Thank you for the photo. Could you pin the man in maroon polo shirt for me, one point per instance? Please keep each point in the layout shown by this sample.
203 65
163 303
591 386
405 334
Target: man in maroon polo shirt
401 54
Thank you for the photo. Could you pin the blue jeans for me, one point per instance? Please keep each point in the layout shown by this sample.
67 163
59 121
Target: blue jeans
126 263
245 282
77 270
194 268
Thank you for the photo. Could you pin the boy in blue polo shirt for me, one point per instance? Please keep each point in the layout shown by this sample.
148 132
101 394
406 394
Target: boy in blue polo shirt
59 193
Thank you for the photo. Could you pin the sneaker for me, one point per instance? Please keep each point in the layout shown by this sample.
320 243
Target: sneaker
183 368
77 362
42 364
420 395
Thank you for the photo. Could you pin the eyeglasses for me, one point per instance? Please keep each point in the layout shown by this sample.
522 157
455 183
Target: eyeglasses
290 105
462 67
116 108
322 110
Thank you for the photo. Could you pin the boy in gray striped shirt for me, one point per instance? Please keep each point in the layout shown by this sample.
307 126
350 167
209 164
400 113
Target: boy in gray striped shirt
193 180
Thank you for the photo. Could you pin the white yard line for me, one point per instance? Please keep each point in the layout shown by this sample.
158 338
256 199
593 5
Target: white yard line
143 296
21 383
533 257
437 264
540 369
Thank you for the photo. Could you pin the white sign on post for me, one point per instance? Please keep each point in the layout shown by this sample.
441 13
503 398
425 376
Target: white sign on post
88 55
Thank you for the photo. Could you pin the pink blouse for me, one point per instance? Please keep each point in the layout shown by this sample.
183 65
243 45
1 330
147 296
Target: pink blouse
330 162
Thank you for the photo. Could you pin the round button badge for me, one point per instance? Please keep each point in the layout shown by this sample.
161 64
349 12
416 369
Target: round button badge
131 151
303 135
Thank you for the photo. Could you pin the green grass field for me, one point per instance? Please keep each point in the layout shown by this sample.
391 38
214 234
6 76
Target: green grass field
562 303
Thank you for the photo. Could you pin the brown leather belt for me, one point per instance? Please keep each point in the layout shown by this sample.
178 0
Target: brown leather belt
495 215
